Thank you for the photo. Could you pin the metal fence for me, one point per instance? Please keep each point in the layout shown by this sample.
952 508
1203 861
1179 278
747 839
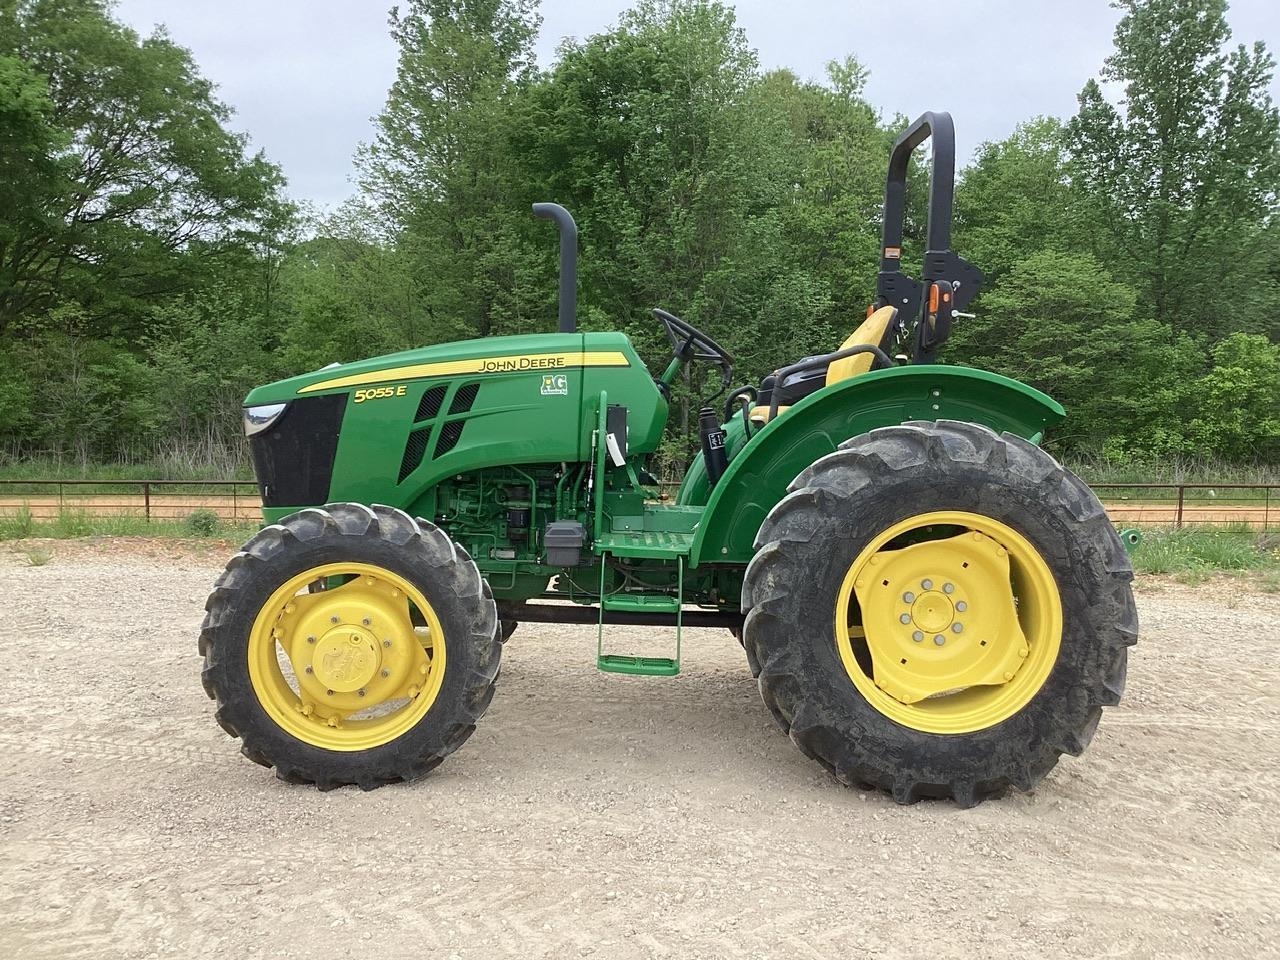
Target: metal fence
1192 504
1128 504
160 500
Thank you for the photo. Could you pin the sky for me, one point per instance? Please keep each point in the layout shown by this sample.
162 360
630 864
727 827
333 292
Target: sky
305 77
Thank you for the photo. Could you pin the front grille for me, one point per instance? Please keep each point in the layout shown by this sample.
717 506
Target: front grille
293 459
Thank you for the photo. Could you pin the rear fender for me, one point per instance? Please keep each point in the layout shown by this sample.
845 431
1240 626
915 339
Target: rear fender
758 476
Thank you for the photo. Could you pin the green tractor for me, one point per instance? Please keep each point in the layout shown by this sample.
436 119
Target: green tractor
932 605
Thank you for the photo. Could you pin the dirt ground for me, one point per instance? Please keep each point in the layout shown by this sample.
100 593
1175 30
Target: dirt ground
605 816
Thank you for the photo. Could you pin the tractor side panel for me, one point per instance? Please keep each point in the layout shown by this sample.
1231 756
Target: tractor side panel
758 476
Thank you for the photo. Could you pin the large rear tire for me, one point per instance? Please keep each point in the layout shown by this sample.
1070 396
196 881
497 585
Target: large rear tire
350 645
922 693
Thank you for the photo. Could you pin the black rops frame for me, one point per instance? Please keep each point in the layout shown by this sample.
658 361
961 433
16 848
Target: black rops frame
893 287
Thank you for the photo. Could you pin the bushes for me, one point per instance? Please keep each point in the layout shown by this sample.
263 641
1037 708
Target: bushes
202 523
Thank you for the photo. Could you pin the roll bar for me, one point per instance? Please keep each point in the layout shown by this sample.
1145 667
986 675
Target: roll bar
893 287
568 262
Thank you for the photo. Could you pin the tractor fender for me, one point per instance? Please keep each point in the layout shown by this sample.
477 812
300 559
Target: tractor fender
759 475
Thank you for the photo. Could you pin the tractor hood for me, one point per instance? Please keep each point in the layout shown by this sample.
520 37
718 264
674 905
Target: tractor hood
533 352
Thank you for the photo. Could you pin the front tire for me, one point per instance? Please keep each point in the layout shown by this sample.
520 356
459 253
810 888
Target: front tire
865 691
350 645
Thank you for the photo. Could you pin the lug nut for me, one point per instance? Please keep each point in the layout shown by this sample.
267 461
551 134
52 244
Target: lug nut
957 628
385 672
908 597
328 693
905 618
927 584
961 606
917 636
360 692
366 621
333 619
939 639
1023 653
386 643
310 669
948 588
311 639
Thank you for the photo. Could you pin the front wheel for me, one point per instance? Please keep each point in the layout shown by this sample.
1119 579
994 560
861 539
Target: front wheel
938 611
350 645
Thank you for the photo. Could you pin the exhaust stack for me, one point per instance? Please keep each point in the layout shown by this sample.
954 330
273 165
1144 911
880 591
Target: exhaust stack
568 262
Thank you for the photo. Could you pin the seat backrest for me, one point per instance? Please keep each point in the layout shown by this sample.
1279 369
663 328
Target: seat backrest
877 330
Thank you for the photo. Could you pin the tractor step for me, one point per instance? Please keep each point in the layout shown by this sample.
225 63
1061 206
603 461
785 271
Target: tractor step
631 604
638 666
642 603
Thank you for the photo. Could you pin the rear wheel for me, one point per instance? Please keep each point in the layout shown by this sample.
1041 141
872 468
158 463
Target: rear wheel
939 611
350 645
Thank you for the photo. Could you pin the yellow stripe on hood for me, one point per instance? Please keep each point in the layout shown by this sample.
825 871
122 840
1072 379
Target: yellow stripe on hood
514 363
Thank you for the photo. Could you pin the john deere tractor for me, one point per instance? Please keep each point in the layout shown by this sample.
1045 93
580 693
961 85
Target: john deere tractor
931 604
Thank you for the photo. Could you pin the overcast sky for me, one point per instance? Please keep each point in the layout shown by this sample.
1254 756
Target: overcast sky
306 76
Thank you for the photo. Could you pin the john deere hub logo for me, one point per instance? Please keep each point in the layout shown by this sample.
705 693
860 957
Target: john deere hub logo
555 385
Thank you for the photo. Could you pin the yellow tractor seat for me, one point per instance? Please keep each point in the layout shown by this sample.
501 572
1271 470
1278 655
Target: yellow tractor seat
878 330
760 414
875 331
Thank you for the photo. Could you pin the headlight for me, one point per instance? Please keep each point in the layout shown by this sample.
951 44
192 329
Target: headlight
257 419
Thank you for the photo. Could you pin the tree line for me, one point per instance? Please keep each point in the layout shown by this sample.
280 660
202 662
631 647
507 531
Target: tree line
152 268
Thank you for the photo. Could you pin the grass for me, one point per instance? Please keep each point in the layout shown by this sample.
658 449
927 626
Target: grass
1096 469
70 524
1194 553
38 557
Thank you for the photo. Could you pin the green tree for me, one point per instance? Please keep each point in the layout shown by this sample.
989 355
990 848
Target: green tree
1235 408
146 170
1183 181
439 166
1061 323
1016 198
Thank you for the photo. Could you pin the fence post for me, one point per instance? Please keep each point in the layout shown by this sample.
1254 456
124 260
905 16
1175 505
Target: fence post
1266 508
146 500
1182 490
235 502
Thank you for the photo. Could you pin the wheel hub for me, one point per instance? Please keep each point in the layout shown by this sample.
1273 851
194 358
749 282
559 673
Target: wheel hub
932 612
346 658
940 616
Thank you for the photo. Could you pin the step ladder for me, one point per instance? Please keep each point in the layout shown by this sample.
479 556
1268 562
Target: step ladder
640 603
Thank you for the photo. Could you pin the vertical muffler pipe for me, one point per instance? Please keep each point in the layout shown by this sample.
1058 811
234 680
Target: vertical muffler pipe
568 262
713 453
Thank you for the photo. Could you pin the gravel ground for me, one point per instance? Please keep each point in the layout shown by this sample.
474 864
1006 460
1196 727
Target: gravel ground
605 816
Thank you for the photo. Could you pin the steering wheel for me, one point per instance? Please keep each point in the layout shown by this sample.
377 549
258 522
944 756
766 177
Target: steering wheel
690 343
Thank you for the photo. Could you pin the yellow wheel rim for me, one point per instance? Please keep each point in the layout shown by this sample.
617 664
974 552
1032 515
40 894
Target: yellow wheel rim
949 622
336 661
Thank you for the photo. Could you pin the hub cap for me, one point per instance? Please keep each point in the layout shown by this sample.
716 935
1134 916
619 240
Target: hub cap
949 622
336 660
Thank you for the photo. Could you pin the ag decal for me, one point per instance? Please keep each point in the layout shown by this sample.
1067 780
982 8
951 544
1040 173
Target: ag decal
555 385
